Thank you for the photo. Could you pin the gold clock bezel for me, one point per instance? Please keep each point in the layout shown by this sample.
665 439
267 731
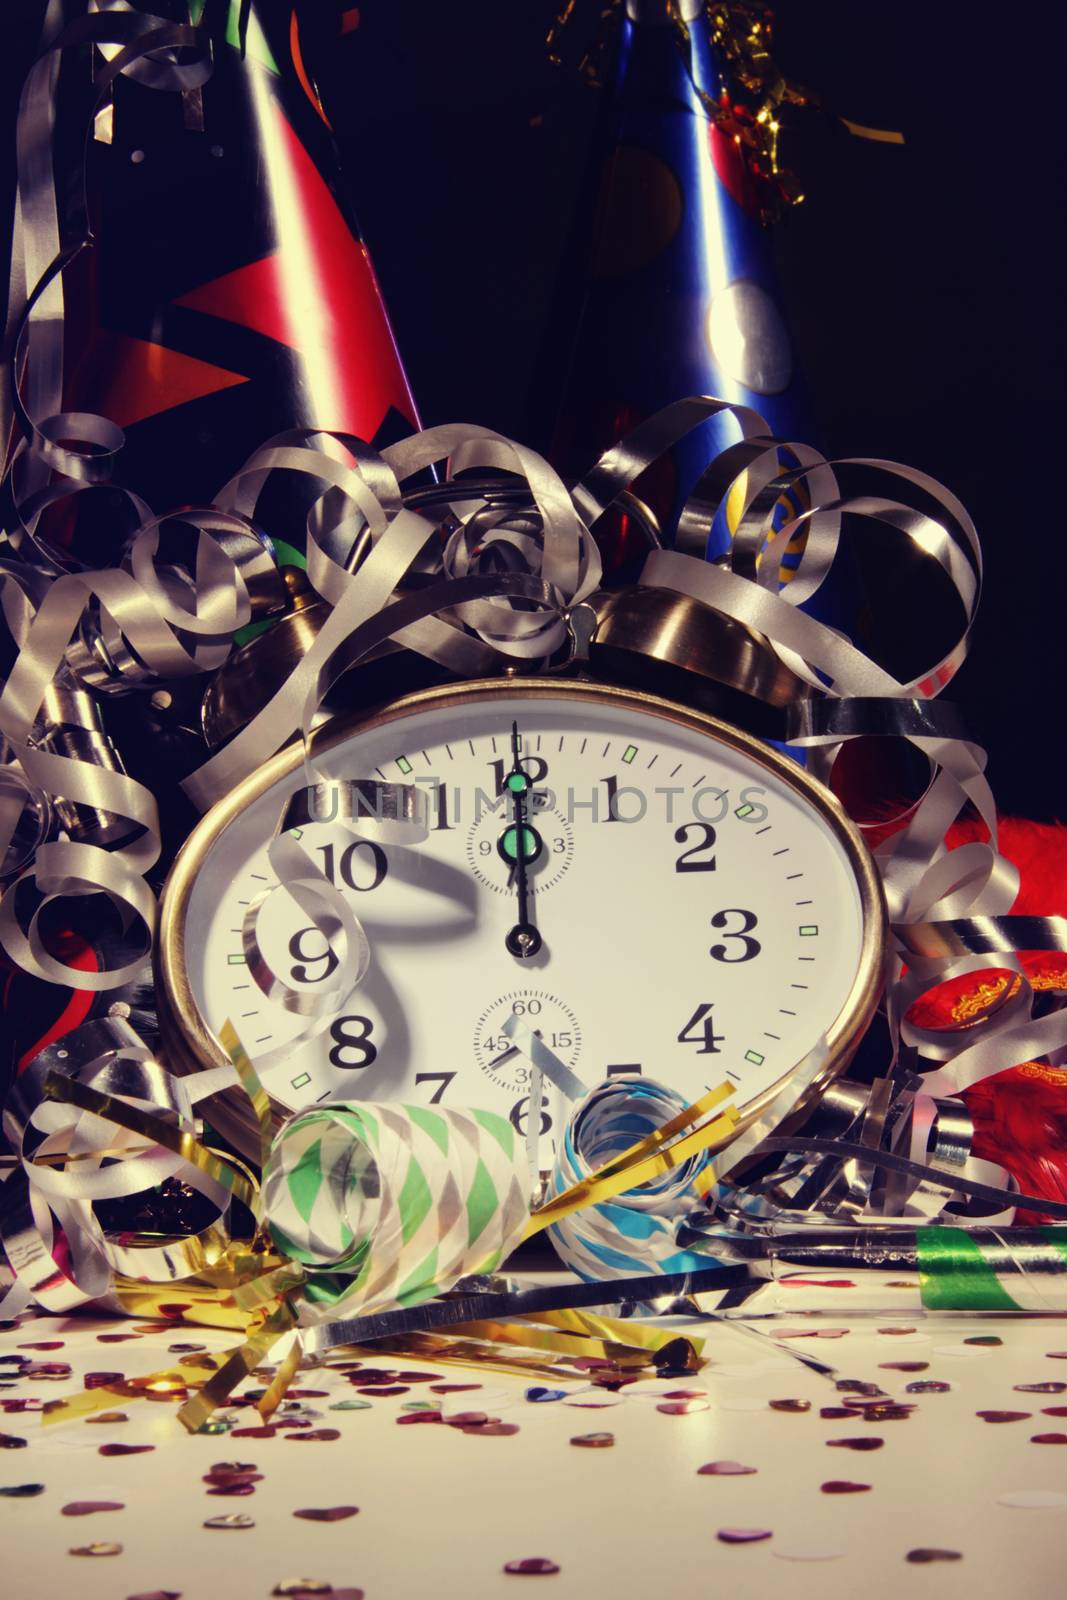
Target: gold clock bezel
190 1045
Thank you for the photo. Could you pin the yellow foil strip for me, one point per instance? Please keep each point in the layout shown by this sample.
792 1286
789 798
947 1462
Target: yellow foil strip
250 1082
621 1330
103 1399
879 135
241 1362
274 1394
202 1306
468 1354
643 1161
69 1091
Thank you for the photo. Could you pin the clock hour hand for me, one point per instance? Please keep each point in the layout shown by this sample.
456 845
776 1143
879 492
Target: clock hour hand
520 845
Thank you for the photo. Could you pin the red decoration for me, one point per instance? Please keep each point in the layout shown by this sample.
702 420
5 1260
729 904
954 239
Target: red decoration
1020 1122
1020 1114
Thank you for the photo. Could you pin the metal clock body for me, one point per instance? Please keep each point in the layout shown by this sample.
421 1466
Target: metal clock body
695 908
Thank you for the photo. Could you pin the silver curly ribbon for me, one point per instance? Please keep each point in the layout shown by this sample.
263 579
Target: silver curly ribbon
361 517
99 1161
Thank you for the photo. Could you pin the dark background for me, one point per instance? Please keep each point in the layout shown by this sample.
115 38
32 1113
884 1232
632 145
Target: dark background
922 284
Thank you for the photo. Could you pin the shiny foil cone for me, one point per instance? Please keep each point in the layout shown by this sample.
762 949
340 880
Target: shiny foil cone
229 295
680 296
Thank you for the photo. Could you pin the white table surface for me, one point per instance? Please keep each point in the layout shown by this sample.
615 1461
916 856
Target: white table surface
442 1511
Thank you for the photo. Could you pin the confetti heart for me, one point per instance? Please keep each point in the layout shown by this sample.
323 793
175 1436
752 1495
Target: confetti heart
924 1555
723 1469
742 1535
327 1513
531 1567
88 1508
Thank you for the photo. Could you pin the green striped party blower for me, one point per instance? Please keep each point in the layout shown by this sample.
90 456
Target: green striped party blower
388 1204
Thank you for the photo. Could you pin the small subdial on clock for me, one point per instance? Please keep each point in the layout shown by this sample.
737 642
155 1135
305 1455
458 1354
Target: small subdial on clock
496 1052
546 842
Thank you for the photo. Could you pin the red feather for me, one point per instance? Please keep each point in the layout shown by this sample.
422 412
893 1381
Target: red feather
1020 1115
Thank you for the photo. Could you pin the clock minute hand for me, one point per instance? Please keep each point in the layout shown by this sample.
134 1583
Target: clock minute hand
520 844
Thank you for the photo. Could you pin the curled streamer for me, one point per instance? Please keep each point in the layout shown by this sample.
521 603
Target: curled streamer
389 1204
152 629
359 522
635 1231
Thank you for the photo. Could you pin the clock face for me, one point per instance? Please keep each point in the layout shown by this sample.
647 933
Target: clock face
640 888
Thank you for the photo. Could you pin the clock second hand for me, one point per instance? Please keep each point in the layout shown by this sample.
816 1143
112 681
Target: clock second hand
523 940
537 1052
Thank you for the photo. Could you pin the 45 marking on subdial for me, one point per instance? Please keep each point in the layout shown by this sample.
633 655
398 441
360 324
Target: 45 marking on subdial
545 1014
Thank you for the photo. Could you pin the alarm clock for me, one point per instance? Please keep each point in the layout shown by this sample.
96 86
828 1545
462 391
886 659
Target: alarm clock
635 883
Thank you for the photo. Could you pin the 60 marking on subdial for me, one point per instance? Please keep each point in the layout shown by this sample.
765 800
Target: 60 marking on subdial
544 1014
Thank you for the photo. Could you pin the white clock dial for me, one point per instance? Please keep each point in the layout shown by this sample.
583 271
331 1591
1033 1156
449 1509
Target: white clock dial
703 910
